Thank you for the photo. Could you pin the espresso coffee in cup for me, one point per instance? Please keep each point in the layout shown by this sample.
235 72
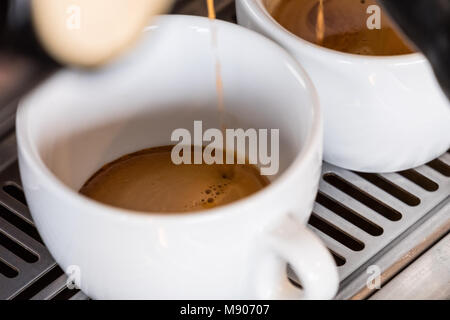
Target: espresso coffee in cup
149 181
234 251
343 25
373 105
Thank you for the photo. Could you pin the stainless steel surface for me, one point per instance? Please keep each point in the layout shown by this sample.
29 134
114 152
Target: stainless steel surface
386 220
16 224
410 213
399 253
427 278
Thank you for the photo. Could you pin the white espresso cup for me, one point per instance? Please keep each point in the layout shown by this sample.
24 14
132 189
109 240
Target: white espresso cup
78 121
381 113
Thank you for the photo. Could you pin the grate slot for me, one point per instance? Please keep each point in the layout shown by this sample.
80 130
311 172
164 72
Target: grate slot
391 188
50 291
335 233
40 284
65 294
361 196
340 260
7 270
440 166
349 214
14 191
19 223
17 249
420 180
352 204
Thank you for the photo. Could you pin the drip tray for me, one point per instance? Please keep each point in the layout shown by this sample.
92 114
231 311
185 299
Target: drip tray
382 220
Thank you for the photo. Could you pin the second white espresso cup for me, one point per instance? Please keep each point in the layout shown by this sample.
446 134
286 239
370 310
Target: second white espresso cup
78 121
381 113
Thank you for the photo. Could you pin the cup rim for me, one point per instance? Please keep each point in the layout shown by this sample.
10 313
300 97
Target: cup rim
271 26
35 163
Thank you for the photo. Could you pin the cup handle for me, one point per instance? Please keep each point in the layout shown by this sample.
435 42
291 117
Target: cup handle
294 243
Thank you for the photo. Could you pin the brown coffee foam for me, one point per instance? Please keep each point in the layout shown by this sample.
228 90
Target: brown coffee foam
149 181
345 26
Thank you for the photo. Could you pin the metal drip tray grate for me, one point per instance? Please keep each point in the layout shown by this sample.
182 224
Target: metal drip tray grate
386 220
362 216
359 217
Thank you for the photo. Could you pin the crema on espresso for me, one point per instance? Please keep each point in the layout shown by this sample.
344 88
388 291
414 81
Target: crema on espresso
343 25
149 181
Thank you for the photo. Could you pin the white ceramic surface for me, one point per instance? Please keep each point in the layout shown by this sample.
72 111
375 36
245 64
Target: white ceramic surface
77 121
381 114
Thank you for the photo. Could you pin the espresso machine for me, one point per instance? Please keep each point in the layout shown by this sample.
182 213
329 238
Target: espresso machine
415 249
429 33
